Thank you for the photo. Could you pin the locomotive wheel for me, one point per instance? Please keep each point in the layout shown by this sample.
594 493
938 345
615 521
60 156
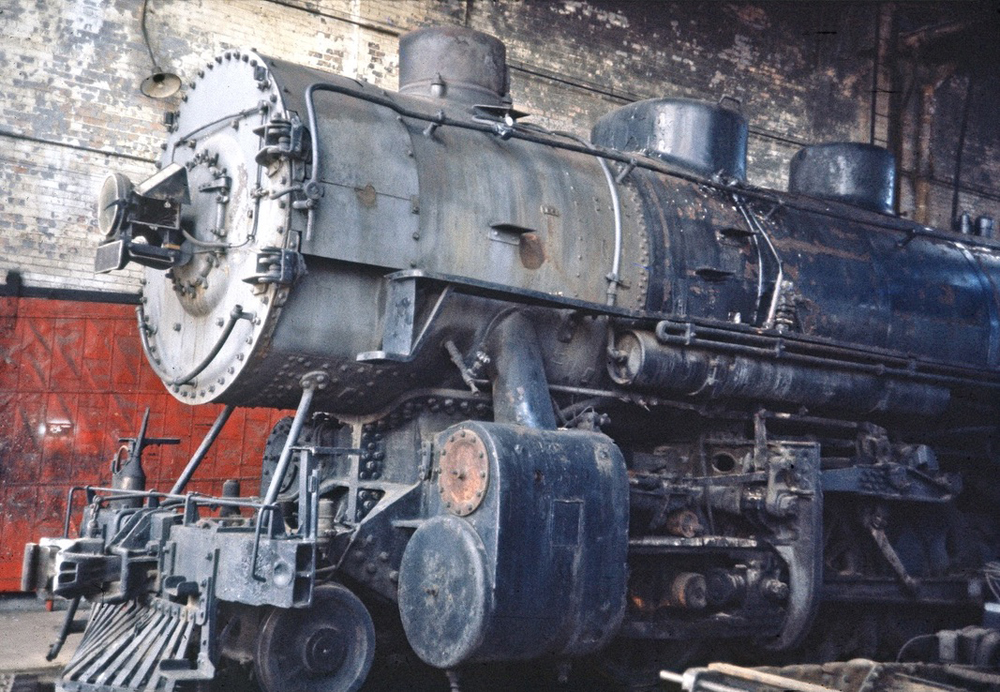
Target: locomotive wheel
325 648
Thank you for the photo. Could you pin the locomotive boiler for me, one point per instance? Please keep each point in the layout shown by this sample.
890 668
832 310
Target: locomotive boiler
556 399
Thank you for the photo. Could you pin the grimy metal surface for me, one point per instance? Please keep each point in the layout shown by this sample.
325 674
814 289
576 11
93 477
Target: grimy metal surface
699 417
395 193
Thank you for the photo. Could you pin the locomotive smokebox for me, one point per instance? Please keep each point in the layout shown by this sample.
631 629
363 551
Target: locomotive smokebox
703 138
862 175
453 63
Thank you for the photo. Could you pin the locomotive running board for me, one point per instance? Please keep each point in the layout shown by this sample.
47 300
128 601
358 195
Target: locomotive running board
400 340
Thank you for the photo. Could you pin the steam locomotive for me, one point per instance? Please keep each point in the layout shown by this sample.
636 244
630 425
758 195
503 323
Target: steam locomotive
554 398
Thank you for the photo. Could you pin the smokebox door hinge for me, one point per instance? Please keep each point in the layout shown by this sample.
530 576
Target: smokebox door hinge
277 266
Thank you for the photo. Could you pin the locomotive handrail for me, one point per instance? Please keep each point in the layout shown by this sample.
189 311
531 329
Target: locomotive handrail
470 286
629 159
235 315
113 494
755 226
776 349
614 276
259 108
693 327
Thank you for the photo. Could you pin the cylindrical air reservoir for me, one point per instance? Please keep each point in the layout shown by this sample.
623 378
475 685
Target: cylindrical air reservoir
645 363
863 175
701 137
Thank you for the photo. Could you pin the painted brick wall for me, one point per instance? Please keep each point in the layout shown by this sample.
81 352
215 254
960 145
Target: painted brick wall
72 381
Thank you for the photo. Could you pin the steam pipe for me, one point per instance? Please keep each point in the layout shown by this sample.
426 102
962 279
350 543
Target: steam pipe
520 388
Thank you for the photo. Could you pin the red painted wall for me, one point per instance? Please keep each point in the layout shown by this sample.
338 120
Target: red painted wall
73 380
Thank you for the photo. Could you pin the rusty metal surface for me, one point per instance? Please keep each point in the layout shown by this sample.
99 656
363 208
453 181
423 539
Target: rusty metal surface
463 472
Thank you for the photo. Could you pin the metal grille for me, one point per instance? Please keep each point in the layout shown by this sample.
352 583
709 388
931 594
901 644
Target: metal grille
124 645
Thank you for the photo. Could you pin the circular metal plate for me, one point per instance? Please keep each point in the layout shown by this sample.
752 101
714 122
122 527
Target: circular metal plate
444 592
464 472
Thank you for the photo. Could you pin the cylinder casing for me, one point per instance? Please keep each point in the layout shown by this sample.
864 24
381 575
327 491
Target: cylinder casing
538 568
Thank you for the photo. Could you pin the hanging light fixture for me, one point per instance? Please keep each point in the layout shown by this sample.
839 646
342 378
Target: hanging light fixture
160 84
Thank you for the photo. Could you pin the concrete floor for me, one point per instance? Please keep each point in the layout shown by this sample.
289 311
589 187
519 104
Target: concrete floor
27 630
